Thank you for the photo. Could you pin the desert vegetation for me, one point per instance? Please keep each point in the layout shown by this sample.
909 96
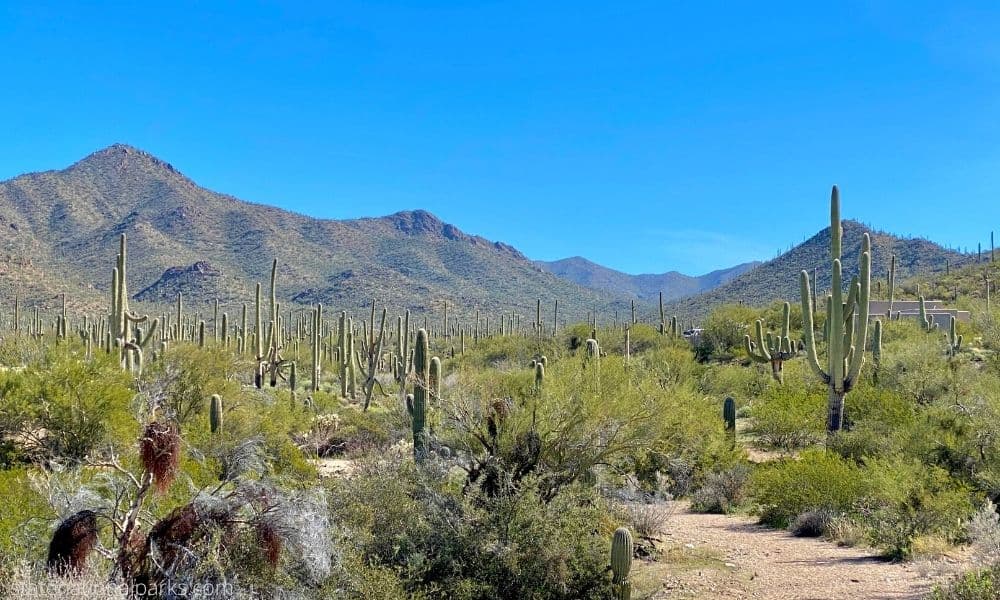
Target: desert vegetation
267 451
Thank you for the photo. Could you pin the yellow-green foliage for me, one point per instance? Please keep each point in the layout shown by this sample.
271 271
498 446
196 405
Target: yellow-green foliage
22 517
814 480
724 329
792 415
63 407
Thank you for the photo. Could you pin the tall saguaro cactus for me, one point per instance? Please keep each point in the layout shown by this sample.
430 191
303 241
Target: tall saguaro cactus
772 349
124 322
418 408
847 319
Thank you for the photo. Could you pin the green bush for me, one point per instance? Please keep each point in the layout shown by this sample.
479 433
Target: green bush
441 543
62 407
790 417
978 584
816 480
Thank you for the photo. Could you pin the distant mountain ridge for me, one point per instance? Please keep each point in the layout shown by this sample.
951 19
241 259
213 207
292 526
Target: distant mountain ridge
60 229
646 287
778 279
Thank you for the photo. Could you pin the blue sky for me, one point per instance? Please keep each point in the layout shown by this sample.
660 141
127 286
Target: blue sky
647 136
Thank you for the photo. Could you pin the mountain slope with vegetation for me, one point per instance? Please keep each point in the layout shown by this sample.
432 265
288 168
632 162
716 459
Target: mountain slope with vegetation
60 231
778 279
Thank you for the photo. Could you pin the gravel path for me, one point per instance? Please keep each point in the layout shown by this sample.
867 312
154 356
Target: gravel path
717 556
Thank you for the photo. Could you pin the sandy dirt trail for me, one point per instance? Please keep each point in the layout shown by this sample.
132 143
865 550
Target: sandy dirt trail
716 556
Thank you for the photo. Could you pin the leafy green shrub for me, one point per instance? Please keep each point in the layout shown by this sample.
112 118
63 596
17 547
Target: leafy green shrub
724 328
978 584
62 407
816 480
789 417
912 500
443 543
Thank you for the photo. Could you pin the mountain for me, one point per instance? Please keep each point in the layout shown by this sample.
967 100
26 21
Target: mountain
778 279
645 287
60 231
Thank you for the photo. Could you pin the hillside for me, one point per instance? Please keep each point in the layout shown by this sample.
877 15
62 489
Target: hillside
778 279
60 230
645 287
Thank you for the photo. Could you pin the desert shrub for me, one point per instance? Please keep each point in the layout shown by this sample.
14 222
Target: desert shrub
817 480
978 584
722 492
444 543
724 328
916 369
187 376
983 532
63 407
23 513
812 523
647 520
846 530
790 417
743 384
911 500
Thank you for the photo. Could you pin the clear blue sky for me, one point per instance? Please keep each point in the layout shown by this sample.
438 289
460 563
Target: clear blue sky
643 135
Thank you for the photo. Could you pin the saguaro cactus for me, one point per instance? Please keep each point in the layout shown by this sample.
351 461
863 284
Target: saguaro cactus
418 411
926 320
621 563
729 414
891 281
123 324
848 322
772 349
954 340
215 413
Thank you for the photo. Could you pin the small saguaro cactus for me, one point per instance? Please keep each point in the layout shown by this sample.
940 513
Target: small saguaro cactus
847 322
772 349
434 379
593 348
729 415
891 284
877 350
539 375
215 413
621 563
954 339
926 320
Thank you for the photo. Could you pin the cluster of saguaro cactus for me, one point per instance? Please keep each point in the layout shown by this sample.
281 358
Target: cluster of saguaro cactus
346 357
621 563
371 350
772 349
847 319
269 362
